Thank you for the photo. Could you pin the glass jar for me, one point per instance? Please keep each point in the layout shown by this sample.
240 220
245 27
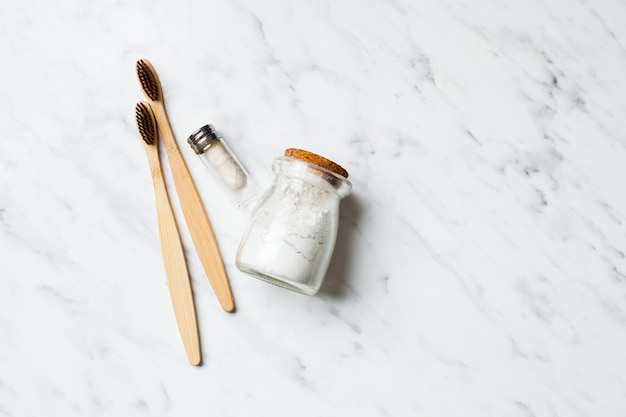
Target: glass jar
292 231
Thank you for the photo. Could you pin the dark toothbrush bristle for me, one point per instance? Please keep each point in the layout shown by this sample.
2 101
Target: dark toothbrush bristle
145 123
147 80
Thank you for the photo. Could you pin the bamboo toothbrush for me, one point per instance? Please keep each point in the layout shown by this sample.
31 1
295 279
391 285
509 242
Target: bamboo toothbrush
197 221
171 246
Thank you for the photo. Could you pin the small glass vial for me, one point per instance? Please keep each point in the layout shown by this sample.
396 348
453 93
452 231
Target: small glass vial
222 164
292 231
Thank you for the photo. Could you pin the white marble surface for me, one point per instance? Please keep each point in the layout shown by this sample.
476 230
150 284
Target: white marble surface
480 268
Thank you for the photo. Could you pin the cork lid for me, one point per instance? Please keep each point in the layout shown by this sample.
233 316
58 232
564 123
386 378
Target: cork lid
315 159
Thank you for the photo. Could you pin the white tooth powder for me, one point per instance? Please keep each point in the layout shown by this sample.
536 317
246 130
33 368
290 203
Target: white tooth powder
291 233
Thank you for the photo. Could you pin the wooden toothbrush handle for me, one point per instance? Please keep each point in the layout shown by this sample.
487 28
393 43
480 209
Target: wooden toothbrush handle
197 221
175 266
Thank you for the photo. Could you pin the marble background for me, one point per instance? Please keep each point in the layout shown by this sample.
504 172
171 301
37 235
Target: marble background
480 268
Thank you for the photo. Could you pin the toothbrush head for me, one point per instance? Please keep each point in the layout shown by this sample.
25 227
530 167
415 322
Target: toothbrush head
146 123
149 80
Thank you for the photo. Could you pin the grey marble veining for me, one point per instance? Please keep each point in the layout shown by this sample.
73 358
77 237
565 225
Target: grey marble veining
480 267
